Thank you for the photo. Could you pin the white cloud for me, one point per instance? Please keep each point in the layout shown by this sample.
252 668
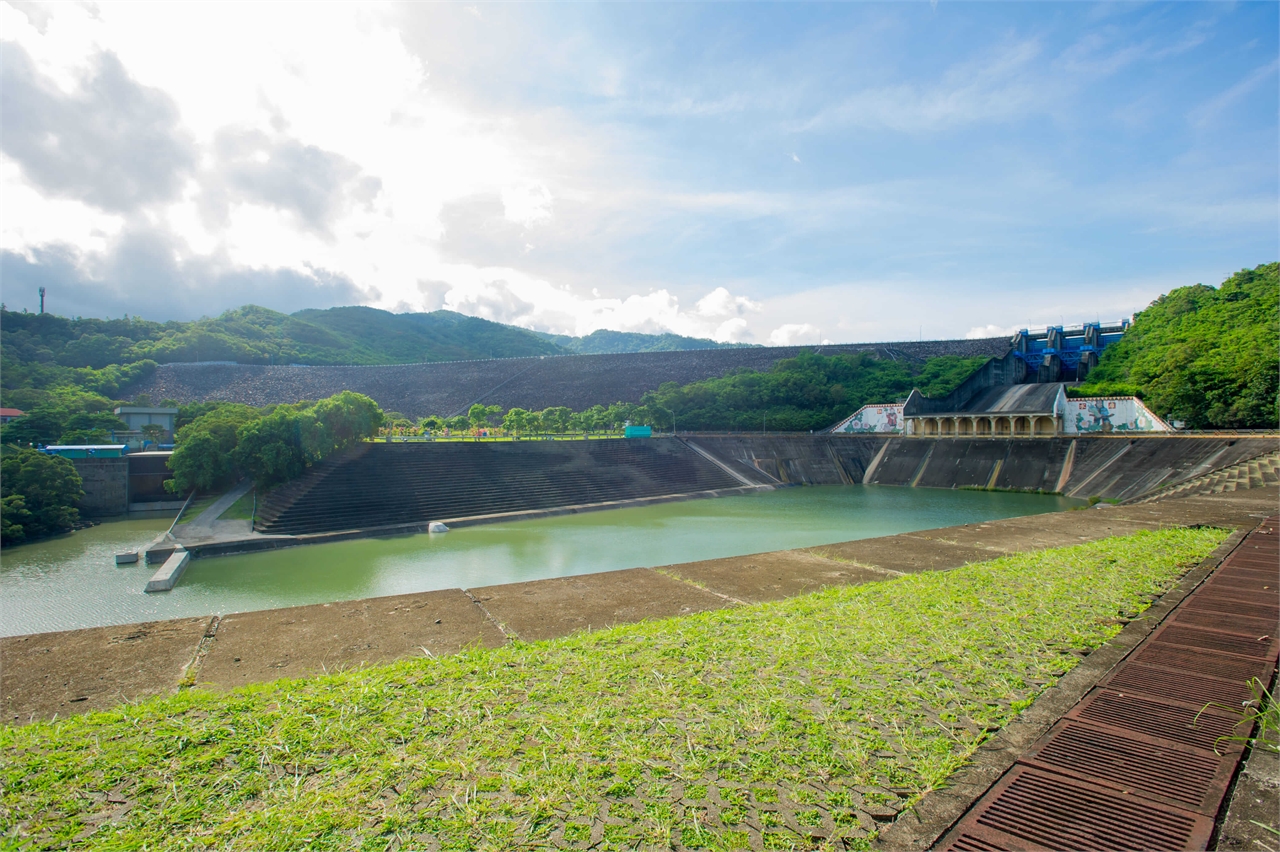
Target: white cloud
791 334
980 331
1208 112
991 89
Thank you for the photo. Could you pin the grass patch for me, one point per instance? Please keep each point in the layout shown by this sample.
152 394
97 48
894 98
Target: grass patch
198 506
241 510
795 724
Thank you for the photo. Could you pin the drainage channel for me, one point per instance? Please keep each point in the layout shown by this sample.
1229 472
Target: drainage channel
1145 759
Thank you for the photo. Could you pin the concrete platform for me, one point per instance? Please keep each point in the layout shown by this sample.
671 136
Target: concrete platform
902 554
772 576
168 574
546 609
252 647
47 675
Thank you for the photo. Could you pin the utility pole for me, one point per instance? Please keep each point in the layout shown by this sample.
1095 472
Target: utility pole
673 418
41 300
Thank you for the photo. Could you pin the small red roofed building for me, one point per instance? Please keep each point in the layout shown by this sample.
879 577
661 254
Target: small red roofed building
7 414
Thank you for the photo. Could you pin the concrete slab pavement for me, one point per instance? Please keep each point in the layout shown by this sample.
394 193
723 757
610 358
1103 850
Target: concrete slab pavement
772 576
546 609
300 641
44 675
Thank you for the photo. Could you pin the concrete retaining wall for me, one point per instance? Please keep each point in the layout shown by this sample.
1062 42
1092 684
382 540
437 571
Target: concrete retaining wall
1114 468
106 486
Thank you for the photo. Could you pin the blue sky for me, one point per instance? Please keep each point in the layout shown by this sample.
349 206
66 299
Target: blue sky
762 172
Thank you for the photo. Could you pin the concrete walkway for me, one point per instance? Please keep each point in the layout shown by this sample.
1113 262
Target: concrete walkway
207 527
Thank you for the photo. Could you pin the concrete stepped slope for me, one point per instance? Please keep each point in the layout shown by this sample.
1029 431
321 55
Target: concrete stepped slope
1252 473
794 459
1128 468
1113 468
390 484
577 381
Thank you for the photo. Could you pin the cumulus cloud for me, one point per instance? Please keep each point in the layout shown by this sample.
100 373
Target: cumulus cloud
792 334
111 142
980 331
314 185
477 230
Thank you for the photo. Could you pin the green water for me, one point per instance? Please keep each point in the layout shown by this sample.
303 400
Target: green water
73 582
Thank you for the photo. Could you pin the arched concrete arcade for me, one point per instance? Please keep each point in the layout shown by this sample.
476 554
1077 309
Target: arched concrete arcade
986 425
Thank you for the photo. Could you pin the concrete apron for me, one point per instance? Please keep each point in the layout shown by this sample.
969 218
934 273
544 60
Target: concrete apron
50 675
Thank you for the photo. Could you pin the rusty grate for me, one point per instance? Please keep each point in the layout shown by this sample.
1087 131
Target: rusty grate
1211 663
1133 763
1243 626
1262 563
1235 608
1213 640
1185 724
1191 688
969 843
1244 593
1265 589
1240 572
1047 809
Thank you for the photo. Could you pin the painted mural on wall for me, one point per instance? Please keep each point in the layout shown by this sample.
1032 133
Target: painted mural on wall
1111 414
874 418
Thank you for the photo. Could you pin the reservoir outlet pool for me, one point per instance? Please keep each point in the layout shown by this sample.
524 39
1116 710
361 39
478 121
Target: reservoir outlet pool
72 581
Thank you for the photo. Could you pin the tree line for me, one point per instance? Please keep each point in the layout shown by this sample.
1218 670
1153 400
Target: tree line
810 391
272 445
216 444
1206 356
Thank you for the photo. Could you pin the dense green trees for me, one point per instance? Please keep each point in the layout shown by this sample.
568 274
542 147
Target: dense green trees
1207 356
272 445
38 494
807 392
201 457
810 391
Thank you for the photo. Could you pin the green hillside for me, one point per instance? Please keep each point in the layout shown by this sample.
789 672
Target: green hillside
605 342
1204 355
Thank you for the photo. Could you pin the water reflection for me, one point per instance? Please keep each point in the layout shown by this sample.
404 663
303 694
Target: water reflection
73 582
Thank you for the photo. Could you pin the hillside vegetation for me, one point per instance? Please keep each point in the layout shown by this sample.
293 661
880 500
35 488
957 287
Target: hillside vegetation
1204 355
810 391
606 342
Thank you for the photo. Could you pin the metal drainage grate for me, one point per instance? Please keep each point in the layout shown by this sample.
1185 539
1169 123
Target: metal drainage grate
1229 607
1133 763
1213 640
1191 688
1187 724
1047 809
1211 663
1242 626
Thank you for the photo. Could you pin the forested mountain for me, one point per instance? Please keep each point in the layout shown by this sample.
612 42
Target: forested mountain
254 335
605 342
1209 356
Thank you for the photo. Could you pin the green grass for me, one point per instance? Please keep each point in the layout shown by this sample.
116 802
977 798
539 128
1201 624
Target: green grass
241 510
198 506
796 724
